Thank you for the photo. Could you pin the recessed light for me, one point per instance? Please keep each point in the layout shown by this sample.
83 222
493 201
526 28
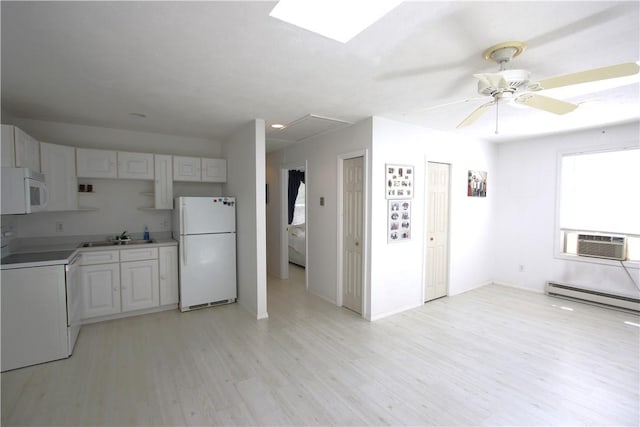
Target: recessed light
277 126
337 19
142 116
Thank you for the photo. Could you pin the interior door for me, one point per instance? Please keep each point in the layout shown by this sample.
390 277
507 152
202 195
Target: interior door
437 277
352 231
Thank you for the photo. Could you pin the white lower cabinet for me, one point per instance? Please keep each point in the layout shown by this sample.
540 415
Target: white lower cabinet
100 290
128 280
168 264
139 285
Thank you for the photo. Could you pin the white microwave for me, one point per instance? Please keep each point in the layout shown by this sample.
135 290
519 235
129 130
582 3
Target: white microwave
23 191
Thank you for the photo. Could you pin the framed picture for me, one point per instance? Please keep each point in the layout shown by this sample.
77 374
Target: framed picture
399 181
477 184
399 220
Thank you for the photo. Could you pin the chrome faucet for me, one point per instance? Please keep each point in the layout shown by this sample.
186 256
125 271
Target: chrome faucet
123 236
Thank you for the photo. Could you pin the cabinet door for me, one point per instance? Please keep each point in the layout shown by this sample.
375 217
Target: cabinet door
138 254
8 157
139 284
214 170
163 186
100 290
186 168
96 163
135 165
59 169
168 265
27 151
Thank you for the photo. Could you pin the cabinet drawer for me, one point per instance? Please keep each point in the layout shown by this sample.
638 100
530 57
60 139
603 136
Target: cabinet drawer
138 254
100 257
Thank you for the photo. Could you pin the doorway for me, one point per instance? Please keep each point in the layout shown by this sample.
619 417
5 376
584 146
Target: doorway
294 242
352 233
436 282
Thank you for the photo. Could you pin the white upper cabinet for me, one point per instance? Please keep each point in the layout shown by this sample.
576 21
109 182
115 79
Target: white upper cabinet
59 169
186 168
96 163
27 151
19 149
8 147
135 165
163 184
199 169
214 170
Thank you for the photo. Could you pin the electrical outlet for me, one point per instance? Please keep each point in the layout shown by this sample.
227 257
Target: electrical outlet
59 227
164 224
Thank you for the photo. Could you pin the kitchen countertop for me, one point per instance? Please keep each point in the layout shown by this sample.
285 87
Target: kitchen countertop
63 253
37 259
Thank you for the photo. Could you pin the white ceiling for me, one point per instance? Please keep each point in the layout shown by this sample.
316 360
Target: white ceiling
204 68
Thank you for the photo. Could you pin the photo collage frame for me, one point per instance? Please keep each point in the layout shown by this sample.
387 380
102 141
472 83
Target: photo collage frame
399 192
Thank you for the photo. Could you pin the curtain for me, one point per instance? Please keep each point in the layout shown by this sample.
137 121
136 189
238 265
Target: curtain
295 178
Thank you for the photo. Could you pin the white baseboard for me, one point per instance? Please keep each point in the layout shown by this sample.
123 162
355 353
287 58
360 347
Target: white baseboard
392 312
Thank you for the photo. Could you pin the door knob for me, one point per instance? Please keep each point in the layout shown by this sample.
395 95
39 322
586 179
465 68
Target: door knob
357 243
431 238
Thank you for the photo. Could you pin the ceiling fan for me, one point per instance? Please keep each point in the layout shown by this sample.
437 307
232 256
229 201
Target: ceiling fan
516 85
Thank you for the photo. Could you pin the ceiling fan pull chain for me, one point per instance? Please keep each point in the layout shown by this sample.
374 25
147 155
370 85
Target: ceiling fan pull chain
497 104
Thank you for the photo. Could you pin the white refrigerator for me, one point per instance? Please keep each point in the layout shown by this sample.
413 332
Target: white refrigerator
206 230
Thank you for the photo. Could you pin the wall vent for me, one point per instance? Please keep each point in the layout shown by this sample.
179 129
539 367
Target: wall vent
593 297
602 246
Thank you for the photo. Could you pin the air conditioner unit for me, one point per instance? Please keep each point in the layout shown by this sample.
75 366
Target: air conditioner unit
602 246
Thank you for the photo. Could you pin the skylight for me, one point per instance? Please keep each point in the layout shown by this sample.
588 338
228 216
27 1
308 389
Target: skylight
339 20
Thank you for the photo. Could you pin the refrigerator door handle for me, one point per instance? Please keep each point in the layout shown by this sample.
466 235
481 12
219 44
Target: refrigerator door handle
184 221
184 252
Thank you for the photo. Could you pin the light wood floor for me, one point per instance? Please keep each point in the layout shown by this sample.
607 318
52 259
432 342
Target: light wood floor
492 356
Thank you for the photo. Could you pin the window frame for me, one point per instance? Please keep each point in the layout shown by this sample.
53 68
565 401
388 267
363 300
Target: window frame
559 233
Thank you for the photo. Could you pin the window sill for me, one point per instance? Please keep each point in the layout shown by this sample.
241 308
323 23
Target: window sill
602 261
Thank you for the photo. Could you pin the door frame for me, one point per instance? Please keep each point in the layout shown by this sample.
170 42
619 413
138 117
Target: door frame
426 228
365 225
284 219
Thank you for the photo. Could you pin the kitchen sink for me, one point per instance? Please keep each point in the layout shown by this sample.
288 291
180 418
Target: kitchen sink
115 243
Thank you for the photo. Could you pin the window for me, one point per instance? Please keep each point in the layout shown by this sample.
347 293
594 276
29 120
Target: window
599 194
299 210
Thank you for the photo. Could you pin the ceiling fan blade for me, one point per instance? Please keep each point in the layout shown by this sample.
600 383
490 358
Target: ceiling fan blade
604 73
492 79
546 103
448 104
475 114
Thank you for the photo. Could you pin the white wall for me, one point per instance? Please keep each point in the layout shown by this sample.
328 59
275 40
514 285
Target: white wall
397 269
394 282
117 200
526 218
321 156
245 154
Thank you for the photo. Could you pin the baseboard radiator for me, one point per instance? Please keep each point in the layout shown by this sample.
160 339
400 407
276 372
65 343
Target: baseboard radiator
593 297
